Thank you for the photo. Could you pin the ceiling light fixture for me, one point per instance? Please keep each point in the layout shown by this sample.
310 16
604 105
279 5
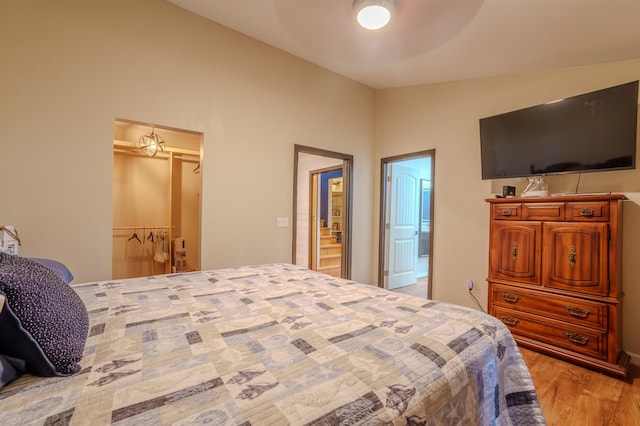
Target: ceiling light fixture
374 14
151 143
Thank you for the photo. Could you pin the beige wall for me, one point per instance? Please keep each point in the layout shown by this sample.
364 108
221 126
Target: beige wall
445 117
69 68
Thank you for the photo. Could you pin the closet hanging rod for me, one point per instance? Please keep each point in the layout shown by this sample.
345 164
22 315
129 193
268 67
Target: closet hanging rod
129 228
188 159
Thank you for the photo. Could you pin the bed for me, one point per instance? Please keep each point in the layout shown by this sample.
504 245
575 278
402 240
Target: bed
274 344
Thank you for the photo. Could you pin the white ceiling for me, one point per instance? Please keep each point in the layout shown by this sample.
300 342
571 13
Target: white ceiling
438 40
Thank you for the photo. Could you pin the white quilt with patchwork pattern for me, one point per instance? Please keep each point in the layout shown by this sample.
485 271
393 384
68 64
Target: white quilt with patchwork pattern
279 345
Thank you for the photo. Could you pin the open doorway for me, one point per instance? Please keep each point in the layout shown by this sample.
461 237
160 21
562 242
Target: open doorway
156 199
322 218
406 223
325 212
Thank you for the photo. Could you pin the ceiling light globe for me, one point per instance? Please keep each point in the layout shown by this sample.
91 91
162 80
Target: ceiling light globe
373 14
152 143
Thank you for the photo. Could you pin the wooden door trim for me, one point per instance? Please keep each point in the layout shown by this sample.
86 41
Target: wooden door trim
313 223
347 171
314 241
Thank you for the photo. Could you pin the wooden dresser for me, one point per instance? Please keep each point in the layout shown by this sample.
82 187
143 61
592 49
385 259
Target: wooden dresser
555 276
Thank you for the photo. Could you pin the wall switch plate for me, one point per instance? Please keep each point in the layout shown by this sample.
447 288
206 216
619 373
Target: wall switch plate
282 222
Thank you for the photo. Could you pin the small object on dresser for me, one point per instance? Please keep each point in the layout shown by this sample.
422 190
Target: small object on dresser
508 191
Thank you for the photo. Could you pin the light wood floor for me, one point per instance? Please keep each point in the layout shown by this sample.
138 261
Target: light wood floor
419 289
574 396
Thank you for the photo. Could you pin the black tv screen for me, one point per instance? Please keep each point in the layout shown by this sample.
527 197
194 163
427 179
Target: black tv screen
591 132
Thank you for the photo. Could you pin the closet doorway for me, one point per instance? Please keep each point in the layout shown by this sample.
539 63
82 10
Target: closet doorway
313 217
156 199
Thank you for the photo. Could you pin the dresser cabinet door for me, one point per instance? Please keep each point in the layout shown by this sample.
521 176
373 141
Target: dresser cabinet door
514 248
576 257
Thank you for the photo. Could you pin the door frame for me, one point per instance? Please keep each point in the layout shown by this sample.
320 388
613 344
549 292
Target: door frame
384 163
347 172
314 213
313 220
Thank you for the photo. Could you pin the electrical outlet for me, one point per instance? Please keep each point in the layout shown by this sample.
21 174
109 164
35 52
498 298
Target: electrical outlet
470 285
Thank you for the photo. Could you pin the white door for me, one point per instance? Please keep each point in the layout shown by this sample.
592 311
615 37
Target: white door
404 212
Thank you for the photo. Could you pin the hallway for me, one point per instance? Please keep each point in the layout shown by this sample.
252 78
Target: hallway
419 289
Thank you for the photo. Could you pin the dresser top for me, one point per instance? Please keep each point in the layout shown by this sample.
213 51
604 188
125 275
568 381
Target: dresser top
559 198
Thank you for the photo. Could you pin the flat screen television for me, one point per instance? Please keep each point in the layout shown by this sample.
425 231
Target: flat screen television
592 132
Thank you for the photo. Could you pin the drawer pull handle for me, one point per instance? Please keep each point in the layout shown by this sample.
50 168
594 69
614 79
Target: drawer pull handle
514 250
572 256
511 298
510 320
577 312
506 212
587 212
576 338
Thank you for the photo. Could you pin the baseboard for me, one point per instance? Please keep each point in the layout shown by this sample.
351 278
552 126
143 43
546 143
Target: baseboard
635 358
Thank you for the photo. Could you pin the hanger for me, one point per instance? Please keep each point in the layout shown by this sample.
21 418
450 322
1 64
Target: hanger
135 235
197 169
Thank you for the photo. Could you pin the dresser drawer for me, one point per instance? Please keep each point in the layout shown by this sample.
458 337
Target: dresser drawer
511 211
543 211
588 211
576 311
557 333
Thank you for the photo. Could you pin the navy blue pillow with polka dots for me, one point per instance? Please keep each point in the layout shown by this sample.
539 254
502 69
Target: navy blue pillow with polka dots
43 322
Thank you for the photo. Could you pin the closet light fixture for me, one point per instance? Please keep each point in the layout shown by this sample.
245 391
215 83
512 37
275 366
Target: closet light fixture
374 14
151 143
